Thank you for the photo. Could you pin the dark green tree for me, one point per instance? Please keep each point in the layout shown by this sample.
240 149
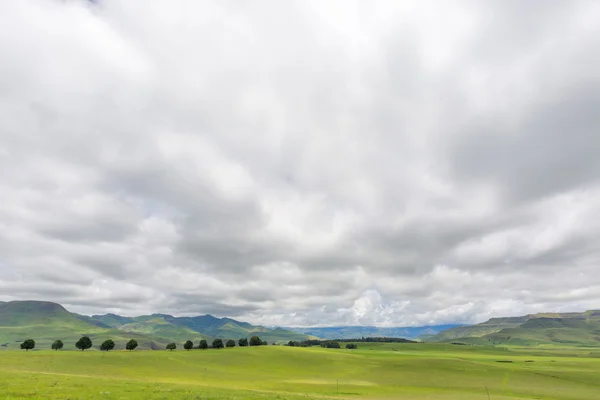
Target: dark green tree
107 345
243 342
217 344
264 343
351 346
330 344
255 341
171 346
188 345
28 344
57 345
84 343
131 345
230 343
203 344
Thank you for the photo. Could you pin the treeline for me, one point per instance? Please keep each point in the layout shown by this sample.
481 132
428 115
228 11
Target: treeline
219 344
335 343
86 343
329 344
377 340
82 344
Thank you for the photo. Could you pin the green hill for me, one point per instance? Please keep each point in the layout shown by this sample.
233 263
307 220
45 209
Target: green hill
160 328
491 326
577 329
112 320
45 322
196 328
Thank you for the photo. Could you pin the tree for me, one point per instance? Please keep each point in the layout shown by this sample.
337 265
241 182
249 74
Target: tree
28 345
171 346
107 345
330 344
217 344
84 343
243 342
264 343
230 343
57 345
255 341
351 346
131 345
203 344
188 345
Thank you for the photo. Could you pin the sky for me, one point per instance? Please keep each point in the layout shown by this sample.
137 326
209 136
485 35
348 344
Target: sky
301 163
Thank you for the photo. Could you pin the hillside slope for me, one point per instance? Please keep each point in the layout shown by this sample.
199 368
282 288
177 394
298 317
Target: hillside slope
576 329
491 326
46 322
195 328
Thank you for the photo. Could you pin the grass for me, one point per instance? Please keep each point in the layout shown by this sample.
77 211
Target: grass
374 371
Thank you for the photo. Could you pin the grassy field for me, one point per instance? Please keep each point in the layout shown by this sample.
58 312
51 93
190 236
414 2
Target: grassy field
374 371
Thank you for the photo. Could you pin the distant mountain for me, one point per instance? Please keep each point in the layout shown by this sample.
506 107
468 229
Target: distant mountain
194 328
112 320
353 332
45 322
578 329
479 330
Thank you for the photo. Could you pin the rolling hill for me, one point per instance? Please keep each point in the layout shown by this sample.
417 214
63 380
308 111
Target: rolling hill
46 322
576 329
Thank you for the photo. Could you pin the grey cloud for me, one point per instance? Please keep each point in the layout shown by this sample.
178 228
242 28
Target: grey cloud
300 163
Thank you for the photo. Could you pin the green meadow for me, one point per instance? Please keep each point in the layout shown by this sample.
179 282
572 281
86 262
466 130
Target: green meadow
374 371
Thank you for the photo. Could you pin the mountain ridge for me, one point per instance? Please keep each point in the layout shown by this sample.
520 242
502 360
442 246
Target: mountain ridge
572 328
47 321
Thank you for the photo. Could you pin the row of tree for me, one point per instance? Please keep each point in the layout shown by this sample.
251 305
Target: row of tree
219 344
82 344
330 344
85 343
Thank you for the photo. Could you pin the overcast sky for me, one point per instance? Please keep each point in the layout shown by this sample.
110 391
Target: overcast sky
301 162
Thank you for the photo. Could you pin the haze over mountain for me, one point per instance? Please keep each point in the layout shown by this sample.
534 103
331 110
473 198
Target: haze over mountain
305 163
355 332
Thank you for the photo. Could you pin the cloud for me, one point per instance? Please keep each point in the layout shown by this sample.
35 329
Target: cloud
306 163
